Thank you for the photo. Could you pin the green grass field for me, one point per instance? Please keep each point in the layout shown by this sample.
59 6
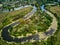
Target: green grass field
6 18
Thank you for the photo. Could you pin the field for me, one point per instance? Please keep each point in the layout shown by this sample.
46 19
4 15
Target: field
37 23
9 17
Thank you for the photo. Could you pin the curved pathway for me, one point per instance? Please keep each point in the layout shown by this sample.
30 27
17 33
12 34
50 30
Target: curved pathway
38 36
52 29
5 34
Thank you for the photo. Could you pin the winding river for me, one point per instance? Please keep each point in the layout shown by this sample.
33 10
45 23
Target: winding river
5 34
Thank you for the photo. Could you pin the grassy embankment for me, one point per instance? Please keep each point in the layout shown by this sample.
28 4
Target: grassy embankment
55 40
9 17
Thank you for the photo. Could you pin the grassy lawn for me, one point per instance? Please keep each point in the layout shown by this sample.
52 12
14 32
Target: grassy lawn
6 18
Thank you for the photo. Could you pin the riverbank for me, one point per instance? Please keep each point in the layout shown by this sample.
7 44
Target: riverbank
56 11
5 34
9 17
35 37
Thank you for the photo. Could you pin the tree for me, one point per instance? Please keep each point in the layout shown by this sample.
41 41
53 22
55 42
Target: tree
51 40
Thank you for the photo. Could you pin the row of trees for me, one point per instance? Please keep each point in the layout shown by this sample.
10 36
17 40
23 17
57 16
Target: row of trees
37 3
